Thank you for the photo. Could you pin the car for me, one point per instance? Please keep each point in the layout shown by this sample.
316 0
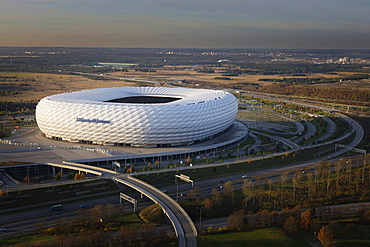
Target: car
2 229
83 206
244 176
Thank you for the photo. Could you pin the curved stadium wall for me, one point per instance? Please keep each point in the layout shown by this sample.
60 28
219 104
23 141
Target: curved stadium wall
136 116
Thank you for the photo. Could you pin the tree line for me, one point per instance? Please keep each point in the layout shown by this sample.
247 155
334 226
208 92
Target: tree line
326 183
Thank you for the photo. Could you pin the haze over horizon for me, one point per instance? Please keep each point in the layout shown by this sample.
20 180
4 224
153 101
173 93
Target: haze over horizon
286 24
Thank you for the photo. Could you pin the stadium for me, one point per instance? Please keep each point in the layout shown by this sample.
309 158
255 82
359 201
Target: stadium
136 116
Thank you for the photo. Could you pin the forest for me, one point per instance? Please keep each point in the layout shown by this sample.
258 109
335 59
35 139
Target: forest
293 200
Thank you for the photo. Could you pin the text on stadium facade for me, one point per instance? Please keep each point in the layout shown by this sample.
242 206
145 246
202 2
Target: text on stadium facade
94 120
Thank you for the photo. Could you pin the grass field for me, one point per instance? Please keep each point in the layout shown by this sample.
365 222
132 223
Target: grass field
257 238
31 87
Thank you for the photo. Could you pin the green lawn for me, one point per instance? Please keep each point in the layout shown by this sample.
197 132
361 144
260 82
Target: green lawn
262 237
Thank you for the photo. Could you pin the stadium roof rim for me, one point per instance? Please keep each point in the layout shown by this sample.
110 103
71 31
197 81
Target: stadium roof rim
105 95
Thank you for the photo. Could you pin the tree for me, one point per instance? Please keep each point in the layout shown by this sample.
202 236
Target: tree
229 190
208 203
325 236
247 187
236 220
191 194
131 169
216 195
97 212
283 178
188 159
307 220
290 225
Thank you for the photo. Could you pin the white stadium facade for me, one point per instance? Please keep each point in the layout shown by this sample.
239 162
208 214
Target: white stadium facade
137 116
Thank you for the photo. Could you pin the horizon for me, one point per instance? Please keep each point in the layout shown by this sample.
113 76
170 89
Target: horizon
240 24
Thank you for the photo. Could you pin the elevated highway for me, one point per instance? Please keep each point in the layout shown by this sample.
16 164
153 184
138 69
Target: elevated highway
183 225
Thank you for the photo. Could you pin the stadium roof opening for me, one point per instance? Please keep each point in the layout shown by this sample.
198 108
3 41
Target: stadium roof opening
144 100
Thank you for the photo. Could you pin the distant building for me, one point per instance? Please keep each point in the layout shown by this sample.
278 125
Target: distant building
344 60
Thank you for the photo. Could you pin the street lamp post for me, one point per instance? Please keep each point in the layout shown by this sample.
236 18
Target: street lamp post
177 189
200 221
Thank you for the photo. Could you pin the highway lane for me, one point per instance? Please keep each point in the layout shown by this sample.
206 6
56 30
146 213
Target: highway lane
331 129
311 130
33 220
183 225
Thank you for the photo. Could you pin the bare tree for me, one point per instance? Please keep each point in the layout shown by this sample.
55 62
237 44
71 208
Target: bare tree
216 195
229 190
283 178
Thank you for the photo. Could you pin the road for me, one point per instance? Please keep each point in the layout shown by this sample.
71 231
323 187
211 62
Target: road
182 224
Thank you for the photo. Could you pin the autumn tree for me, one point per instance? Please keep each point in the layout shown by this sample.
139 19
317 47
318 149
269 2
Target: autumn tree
191 194
208 203
188 159
307 220
236 220
325 236
131 169
290 225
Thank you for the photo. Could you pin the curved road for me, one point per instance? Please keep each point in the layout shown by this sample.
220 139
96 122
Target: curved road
182 223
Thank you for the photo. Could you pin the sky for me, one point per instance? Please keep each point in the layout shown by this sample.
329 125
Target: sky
281 24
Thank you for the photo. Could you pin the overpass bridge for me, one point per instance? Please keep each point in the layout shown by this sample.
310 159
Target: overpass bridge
183 225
